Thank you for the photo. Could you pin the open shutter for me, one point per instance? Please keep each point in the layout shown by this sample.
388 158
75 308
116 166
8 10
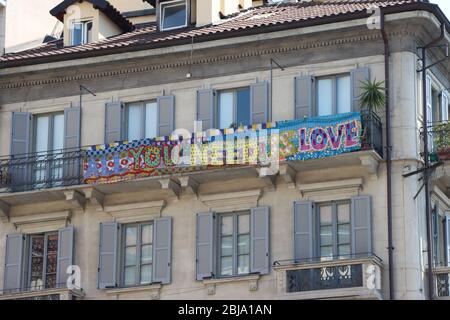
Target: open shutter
303 231
113 122
447 239
107 271
259 255
205 245
205 108
13 263
259 102
166 115
304 97
357 76
20 170
444 106
361 220
65 255
72 142
162 250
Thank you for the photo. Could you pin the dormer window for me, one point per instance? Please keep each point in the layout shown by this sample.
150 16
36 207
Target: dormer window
173 15
81 32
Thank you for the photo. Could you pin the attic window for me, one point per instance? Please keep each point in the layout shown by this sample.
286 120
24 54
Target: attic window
173 15
81 32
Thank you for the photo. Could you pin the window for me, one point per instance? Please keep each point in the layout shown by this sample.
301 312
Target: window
137 254
173 15
234 244
43 252
141 120
333 95
81 32
234 107
334 230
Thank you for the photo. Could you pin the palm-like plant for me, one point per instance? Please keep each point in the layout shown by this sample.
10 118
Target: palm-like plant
373 95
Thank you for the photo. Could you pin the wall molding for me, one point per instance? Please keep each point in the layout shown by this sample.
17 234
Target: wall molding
331 190
136 212
231 201
42 222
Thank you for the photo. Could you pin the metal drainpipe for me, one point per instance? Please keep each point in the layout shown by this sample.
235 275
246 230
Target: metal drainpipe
426 174
388 157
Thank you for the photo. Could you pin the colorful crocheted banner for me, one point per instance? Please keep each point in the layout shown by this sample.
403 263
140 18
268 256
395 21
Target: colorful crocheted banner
257 145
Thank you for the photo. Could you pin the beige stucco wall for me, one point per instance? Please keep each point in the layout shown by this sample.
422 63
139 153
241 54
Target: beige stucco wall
208 11
130 5
81 11
2 28
107 28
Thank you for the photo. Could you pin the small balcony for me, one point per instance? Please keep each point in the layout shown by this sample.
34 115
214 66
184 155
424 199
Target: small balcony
350 277
59 293
442 283
439 141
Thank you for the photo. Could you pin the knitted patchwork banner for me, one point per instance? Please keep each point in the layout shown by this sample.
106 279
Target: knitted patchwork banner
255 145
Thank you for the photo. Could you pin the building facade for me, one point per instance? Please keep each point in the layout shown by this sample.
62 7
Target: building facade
95 174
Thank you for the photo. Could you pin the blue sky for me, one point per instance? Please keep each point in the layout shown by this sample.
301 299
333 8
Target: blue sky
444 5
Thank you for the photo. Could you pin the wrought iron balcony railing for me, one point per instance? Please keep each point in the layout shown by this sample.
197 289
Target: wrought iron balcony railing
439 141
442 282
372 135
60 292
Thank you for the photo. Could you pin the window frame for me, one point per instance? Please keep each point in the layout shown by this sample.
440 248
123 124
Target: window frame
84 31
138 265
235 235
235 104
168 4
143 123
334 92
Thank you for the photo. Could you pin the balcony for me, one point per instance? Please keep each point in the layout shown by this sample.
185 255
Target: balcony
60 293
442 283
351 277
439 140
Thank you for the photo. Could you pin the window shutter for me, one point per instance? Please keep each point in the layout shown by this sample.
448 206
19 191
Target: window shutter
20 133
447 239
166 115
304 97
13 263
113 122
162 250
259 255
72 126
205 108
357 76
65 255
107 271
303 231
259 102
361 220
205 245
444 106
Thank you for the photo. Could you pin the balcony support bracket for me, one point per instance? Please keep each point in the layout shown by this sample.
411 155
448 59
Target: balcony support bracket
288 174
189 185
371 165
171 185
5 208
95 197
75 198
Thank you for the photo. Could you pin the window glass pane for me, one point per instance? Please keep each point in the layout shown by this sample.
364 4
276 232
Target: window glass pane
130 256
130 276
343 212
151 120
324 97
326 236
225 109
130 236
344 233
226 266
147 233
326 215
244 244
243 107
42 126
174 15
146 274
244 223
226 246
227 225
77 33
134 122
344 251
58 132
343 94
146 254
37 261
244 264
326 252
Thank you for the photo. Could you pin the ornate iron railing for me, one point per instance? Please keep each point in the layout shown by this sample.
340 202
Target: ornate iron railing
372 132
442 282
439 141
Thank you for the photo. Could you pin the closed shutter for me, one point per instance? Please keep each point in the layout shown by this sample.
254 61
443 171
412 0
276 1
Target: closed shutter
361 221
20 170
113 122
107 271
304 97
166 115
259 102
205 245
205 108
447 240
444 106
303 231
259 256
162 250
358 76
13 263
65 255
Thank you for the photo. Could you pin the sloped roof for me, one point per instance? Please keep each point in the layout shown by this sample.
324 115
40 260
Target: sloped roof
251 21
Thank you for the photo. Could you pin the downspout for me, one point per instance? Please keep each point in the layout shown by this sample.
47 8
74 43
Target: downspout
388 156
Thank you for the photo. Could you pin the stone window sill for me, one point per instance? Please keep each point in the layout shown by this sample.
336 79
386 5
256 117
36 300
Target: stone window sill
251 279
153 290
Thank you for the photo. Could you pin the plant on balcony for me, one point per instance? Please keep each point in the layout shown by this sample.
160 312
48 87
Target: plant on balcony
441 133
373 95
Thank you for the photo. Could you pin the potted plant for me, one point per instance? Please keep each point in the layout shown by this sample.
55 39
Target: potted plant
442 140
373 95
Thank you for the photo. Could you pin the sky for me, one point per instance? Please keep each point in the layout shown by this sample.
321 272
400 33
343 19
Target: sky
444 5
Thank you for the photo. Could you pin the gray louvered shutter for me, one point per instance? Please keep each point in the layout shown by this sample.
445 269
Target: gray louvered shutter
361 221
113 122
166 115
447 240
260 239
72 142
357 76
205 245
162 250
20 170
205 108
304 97
259 102
303 231
13 263
65 255
444 106
107 271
